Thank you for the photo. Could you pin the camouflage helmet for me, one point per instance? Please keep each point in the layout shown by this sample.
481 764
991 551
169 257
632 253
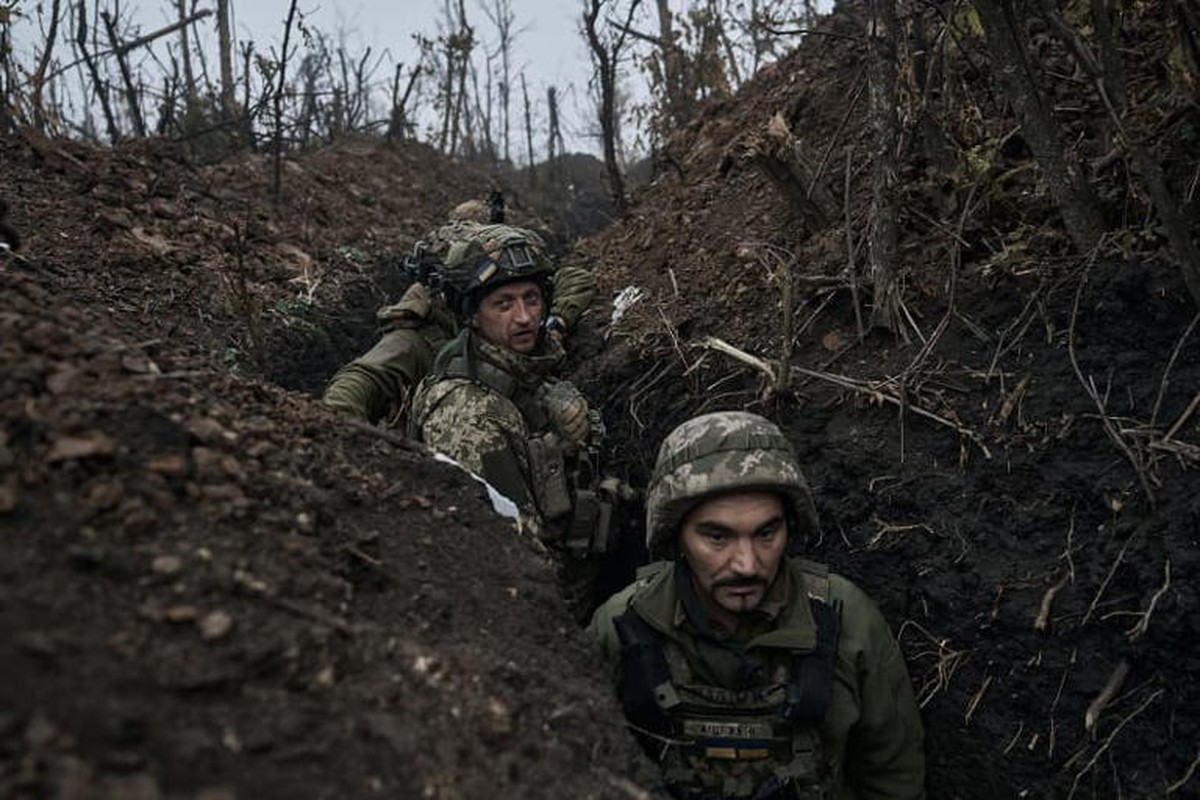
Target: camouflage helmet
480 258
716 453
469 211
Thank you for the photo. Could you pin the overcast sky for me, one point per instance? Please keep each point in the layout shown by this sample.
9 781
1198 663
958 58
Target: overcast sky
549 46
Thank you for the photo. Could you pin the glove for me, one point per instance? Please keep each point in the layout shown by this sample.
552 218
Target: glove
568 411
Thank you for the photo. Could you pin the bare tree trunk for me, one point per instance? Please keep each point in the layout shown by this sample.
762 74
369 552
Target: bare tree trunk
1074 196
185 55
466 39
131 95
554 135
39 76
606 57
7 123
248 112
447 97
501 14
529 132
277 174
1109 73
676 73
225 50
398 123
882 31
99 85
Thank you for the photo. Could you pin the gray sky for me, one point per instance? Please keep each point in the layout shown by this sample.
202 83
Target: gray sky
549 47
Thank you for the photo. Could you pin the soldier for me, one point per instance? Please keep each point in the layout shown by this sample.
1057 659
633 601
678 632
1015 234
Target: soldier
492 402
376 385
746 673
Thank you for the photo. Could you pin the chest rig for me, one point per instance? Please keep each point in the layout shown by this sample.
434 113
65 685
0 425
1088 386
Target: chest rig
757 742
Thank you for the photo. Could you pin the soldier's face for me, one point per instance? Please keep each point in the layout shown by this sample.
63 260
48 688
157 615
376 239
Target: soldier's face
511 316
734 544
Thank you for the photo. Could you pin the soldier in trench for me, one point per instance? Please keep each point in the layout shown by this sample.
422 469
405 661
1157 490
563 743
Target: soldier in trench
377 385
493 402
743 672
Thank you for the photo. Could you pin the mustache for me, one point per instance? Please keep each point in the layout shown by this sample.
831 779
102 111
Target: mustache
740 581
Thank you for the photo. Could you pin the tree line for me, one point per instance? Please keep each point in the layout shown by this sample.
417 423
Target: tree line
96 76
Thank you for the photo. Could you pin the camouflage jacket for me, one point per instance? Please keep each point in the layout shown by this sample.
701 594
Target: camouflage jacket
482 405
870 740
375 385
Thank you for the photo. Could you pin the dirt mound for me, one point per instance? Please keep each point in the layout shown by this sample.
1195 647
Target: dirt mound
212 587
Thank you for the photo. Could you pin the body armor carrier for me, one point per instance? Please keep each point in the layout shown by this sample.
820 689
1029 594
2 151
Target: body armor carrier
571 496
759 743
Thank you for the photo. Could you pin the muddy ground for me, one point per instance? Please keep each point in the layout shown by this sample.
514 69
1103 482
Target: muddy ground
214 589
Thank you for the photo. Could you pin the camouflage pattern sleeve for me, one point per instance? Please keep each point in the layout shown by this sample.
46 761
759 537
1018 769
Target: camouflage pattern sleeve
483 432
574 290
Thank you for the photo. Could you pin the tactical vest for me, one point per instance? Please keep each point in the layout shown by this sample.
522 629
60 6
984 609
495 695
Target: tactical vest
577 516
721 744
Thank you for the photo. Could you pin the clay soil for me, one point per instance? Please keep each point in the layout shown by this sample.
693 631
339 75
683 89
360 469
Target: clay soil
212 588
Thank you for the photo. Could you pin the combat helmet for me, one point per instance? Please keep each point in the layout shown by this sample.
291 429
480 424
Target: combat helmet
721 452
481 258
469 211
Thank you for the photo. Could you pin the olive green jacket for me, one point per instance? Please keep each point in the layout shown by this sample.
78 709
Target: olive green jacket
872 736
376 385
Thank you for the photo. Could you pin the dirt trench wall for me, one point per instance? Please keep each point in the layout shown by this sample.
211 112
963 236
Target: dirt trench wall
966 550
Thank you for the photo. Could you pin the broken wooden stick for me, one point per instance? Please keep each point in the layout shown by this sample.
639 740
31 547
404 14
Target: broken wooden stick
862 387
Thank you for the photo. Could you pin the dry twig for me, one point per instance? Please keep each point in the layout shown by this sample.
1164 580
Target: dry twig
947 662
1108 578
1054 705
1109 428
1165 381
977 699
1143 624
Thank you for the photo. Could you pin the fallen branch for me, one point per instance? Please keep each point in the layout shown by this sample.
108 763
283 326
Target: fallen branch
853 385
